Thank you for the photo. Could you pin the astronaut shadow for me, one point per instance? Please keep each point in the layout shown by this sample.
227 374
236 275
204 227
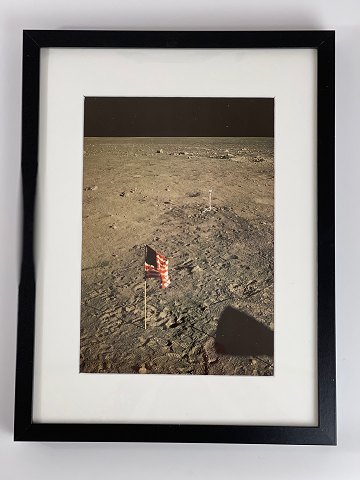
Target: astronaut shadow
238 333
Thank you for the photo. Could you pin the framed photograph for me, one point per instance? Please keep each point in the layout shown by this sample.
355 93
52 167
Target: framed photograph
177 280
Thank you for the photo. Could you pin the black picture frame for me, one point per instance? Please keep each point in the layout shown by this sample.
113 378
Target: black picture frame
322 434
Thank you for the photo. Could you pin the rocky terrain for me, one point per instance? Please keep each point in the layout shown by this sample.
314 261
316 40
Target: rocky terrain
216 317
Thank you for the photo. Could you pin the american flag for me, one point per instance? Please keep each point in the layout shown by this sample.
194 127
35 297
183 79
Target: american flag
156 266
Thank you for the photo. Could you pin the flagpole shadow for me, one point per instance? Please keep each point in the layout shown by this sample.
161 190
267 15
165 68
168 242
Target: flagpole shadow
238 333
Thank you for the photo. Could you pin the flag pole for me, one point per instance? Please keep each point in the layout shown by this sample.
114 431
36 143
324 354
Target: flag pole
145 293
145 304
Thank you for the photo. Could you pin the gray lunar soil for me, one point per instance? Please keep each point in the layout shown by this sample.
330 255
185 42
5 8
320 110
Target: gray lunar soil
216 317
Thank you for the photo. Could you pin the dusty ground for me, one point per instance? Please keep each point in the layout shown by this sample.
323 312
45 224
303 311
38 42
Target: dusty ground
217 315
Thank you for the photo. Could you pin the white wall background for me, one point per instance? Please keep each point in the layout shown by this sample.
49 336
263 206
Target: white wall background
92 461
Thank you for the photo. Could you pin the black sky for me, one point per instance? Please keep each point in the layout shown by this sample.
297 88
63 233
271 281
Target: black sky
178 117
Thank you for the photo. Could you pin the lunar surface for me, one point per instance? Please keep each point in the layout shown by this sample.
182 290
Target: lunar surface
217 315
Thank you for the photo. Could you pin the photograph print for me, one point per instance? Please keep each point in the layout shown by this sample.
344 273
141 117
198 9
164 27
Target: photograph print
178 236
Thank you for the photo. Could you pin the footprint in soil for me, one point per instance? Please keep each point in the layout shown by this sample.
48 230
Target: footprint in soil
172 323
